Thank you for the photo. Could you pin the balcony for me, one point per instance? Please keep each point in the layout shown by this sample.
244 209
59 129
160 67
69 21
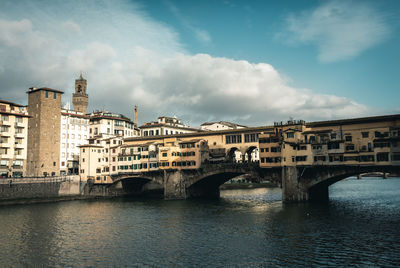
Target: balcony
5 123
20 135
19 146
20 157
19 124
5 134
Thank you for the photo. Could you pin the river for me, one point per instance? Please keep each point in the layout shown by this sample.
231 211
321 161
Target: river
360 226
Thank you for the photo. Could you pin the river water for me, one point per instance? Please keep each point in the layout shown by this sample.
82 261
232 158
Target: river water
245 228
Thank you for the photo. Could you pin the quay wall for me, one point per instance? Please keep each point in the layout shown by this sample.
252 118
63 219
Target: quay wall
39 188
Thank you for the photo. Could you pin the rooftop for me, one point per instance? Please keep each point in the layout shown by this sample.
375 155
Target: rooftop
33 89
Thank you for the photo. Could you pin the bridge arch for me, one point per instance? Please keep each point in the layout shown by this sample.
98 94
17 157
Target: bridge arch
130 185
251 154
207 182
312 183
234 154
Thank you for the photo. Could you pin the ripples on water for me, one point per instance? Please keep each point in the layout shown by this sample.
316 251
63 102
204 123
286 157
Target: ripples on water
245 228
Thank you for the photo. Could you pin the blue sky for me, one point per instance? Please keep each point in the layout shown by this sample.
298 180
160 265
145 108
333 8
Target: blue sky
252 62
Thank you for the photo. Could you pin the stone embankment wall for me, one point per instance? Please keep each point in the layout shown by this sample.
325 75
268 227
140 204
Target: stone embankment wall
39 188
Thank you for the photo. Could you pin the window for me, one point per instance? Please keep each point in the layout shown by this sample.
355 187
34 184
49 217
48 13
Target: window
233 139
333 136
83 159
4 117
250 137
47 94
382 157
348 138
333 145
290 135
54 95
350 147
365 134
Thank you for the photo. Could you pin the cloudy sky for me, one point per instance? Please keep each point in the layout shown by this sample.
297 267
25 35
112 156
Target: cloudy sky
250 62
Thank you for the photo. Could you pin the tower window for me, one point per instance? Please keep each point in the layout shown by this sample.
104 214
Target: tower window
54 95
47 94
79 88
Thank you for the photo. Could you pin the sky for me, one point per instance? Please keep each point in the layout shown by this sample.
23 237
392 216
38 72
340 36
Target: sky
249 62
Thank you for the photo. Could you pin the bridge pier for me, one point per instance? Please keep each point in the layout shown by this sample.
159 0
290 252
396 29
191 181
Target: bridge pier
292 189
174 185
296 187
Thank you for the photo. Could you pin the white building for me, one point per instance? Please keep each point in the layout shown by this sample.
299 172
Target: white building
111 124
165 126
13 139
98 159
74 132
221 125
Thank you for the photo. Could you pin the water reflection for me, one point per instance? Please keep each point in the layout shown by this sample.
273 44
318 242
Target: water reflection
245 228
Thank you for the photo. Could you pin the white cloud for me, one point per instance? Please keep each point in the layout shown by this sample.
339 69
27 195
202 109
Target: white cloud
340 29
127 65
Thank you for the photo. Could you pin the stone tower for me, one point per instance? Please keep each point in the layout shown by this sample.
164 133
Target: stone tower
80 98
44 126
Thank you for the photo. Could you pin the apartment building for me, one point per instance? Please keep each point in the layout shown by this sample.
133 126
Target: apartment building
108 123
98 159
165 126
13 139
74 132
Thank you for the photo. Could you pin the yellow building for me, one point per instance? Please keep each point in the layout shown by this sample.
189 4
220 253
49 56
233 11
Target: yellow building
13 139
182 154
361 141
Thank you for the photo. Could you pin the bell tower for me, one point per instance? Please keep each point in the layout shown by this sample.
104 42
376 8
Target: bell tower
80 98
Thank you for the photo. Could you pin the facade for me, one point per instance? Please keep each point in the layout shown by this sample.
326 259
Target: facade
13 139
80 98
74 132
165 126
221 125
111 124
98 159
362 141
44 107
179 154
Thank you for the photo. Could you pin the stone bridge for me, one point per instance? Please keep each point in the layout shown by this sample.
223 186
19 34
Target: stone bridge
299 183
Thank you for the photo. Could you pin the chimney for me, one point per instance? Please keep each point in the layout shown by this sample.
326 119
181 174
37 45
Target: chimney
136 116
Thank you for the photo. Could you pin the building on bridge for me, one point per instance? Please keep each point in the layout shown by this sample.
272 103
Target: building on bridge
13 139
178 154
104 158
361 141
